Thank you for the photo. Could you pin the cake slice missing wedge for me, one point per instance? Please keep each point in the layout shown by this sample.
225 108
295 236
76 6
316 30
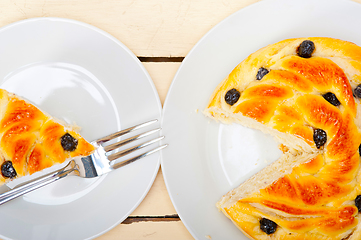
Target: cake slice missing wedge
306 93
31 140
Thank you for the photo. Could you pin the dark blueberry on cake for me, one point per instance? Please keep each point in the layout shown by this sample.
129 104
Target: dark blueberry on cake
306 49
8 170
68 142
320 137
357 91
232 96
268 226
261 73
331 98
358 202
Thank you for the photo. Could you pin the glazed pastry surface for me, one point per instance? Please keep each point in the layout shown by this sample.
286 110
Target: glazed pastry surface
305 92
31 140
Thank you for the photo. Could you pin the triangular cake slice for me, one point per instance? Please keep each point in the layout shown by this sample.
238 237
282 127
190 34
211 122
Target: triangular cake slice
306 93
31 140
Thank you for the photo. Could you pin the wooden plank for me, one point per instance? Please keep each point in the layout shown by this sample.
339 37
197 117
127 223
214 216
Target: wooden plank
157 202
165 218
147 27
155 217
163 230
162 75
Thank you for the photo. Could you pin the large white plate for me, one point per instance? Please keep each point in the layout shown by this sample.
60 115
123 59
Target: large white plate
81 75
206 159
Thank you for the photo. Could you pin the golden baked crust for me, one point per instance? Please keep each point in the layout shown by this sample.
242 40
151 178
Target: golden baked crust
30 140
295 101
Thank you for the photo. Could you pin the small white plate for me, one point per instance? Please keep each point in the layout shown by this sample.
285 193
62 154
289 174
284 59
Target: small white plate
82 75
206 159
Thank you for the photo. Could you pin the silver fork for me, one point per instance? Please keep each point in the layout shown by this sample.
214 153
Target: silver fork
100 162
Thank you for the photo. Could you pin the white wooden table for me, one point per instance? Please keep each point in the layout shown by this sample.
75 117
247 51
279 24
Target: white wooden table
160 33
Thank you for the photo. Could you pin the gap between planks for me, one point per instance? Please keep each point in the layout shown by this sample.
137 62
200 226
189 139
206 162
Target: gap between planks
137 219
161 59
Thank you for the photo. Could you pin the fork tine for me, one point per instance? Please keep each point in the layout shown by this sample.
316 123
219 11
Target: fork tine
128 161
125 131
128 140
132 149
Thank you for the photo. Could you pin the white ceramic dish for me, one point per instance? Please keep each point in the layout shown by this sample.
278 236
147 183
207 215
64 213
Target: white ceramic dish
82 75
206 159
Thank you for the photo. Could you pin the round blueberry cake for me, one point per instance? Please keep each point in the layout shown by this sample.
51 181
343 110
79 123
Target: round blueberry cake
305 92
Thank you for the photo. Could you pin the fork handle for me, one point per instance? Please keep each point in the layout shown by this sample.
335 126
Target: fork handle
32 185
